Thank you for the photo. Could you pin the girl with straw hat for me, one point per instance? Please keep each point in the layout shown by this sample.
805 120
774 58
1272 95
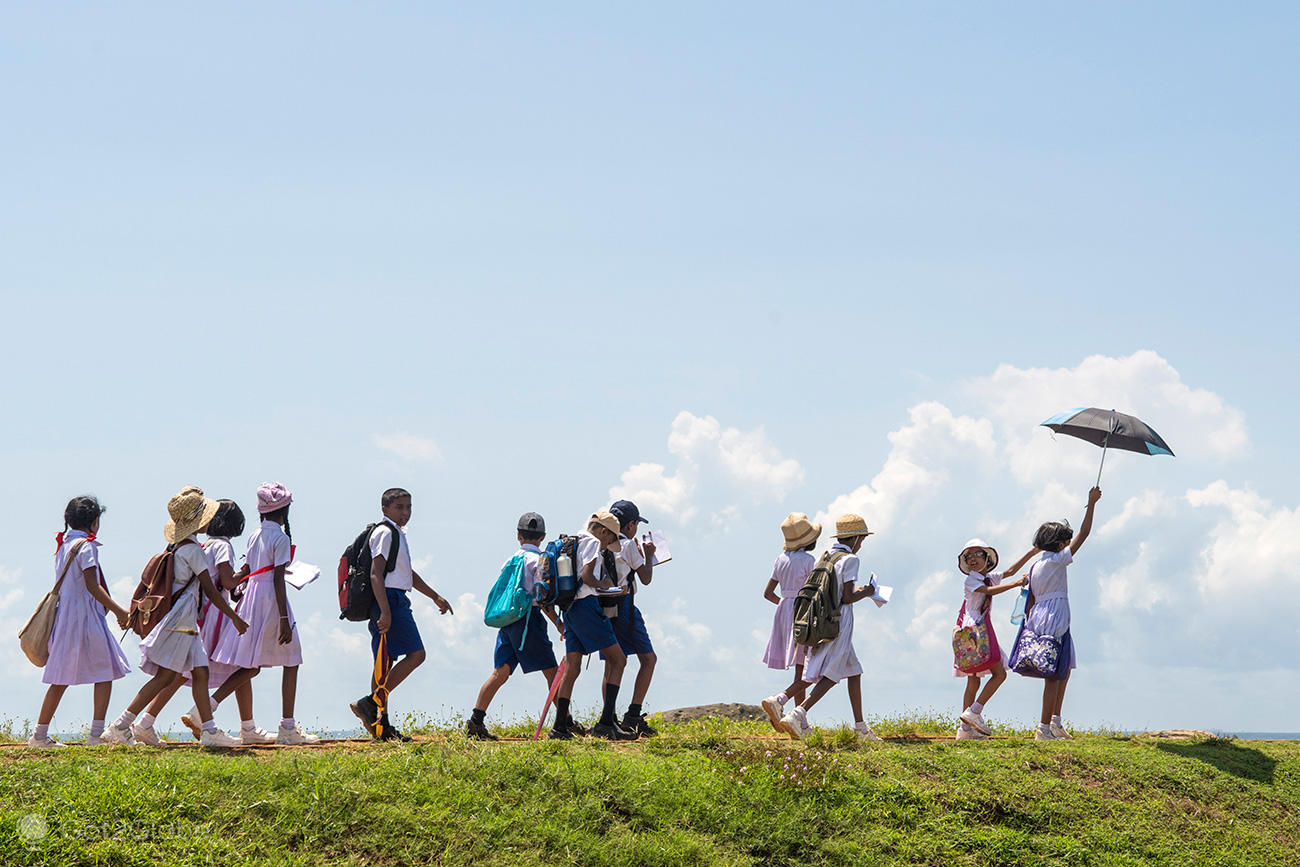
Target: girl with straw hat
788 575
173 647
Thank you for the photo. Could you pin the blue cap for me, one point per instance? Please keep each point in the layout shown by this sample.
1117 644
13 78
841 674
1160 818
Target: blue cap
625 511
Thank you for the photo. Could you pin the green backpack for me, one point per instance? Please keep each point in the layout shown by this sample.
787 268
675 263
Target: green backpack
817 607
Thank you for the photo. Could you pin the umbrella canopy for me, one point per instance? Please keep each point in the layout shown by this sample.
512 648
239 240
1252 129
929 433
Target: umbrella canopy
1109 429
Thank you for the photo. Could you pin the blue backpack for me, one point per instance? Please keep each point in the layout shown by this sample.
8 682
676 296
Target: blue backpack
557 573
508 602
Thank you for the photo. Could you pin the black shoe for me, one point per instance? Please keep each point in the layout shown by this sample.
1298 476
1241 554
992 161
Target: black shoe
561 734
477 730
389 732
639 725
613 732
368 712
577 728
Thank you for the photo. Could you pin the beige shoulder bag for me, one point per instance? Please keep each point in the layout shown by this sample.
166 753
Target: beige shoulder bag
35 636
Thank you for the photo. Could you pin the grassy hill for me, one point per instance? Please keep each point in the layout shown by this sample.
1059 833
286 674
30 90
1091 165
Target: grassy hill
707 792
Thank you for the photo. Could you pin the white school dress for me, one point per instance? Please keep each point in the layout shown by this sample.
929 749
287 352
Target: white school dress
1051 612
174 642
260 645
82 647
218 550
973 610
790 572
836 659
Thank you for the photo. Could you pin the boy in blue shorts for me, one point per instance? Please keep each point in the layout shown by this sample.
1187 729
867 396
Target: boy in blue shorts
391 611
635 563
531 652
588 630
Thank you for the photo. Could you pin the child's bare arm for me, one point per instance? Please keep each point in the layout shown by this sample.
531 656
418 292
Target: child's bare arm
1019 564
1003 587
210 591
853 594
228 577
588 574
1086 527
100 595
444 607
770 593
282 603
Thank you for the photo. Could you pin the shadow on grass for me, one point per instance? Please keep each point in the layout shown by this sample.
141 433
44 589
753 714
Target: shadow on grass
1227 756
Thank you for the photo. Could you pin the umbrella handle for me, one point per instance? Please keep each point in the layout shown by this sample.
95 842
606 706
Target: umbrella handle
1104 443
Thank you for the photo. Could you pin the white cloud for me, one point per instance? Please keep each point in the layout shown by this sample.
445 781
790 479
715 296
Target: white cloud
1253 550
409 447
656 492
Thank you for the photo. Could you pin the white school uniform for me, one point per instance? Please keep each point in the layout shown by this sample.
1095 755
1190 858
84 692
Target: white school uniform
82 648
1051 612
532 557
381 539
218 550
975 607
790 572
260 646
174 642
589 548
836 659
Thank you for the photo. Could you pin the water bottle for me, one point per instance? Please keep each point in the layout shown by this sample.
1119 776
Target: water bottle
564 566
1018 611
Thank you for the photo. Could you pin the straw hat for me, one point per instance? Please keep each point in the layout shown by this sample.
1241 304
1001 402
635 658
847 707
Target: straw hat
977 545
799 532
190 512
271 497
609 522
850 525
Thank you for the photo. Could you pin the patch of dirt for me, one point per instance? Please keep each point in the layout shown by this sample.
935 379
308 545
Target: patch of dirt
727 710
1180 734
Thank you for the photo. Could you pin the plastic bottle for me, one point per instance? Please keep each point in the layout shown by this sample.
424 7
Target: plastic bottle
1018 611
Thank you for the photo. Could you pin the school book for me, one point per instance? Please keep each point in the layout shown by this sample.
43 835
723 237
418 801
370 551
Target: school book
299 574
880 593
662 554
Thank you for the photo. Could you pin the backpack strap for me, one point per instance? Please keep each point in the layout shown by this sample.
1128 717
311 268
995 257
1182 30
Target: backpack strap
393 548
171 549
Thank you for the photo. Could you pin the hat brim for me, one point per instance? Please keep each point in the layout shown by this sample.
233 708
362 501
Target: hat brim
813 534
174 532
850 535
989 553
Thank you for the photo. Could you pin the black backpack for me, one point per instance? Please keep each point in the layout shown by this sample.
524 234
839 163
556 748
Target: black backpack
355 593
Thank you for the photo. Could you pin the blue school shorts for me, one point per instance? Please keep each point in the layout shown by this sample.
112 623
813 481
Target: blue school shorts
532 654
629 629
586 628
403 636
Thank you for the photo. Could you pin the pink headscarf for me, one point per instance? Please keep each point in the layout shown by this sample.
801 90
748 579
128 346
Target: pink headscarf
272 496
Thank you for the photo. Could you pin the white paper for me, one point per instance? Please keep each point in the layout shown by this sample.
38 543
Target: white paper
880 593
662 554
300 574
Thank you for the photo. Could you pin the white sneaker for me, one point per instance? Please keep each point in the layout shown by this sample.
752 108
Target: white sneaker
864 731
772 705
295 736
1059 732
255 736
1040 735
966 733
143 735
218 740
190 719
114 735
795 724
46 743
973 719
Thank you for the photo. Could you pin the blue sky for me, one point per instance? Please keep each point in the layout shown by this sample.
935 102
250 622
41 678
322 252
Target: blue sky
494 255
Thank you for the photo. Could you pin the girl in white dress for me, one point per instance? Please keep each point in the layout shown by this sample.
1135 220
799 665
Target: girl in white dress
836 660
1048 611
82 649
788 575
173 646
272 637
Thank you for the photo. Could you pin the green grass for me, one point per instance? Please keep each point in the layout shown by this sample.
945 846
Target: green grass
708 792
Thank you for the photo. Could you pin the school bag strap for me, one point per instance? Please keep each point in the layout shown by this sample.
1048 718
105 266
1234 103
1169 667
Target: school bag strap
67 564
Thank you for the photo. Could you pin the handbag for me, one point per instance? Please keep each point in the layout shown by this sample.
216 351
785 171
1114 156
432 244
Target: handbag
1035 655
35 634
970 646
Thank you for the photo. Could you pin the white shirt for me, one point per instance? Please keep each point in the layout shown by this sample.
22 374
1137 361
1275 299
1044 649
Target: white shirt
381 541
268 546
791 570
188 562
588 551
630 559
1047 576
87 557
975 601
847 567
218 551
532 556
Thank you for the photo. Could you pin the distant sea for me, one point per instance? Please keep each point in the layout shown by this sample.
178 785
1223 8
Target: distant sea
1262 736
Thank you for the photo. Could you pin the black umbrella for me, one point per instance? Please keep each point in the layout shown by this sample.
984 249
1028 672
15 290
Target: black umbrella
1109 429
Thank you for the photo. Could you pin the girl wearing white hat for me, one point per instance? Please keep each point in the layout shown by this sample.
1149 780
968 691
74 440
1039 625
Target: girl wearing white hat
977 562
791 569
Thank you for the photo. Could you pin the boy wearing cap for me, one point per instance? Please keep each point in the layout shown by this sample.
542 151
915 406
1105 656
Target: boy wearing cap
588 630
529 648
835 660
391 613
634 563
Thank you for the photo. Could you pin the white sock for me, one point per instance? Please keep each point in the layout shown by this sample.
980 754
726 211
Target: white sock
287 723
212 704
965 726
977 707
1045 729
147 720
125 720
210 726
782 698
1057 719
41 732
247 725
96 728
